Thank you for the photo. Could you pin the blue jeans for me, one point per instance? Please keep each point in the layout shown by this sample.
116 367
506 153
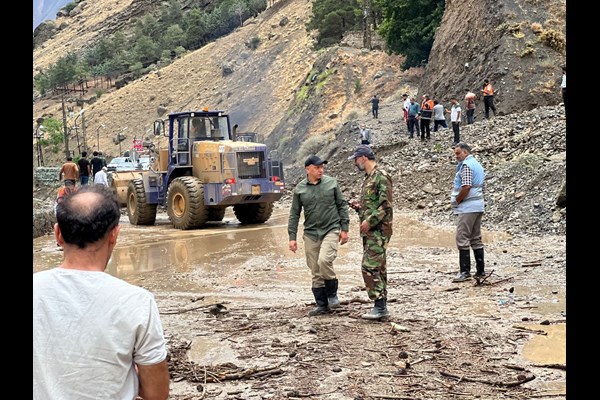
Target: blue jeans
84 179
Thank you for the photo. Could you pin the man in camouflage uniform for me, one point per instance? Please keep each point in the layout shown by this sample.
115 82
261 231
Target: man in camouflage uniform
376 215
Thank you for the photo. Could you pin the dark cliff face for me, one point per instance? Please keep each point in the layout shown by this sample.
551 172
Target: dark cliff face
517 44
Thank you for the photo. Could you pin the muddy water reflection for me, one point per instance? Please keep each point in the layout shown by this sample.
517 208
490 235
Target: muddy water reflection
547 349
224 247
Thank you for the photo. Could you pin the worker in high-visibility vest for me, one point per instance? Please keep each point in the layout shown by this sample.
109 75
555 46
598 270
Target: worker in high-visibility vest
488 98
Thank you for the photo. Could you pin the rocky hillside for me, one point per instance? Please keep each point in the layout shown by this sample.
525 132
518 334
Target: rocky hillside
524 155
518 44
304 101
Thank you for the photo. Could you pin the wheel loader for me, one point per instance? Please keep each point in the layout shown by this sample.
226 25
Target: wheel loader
204 170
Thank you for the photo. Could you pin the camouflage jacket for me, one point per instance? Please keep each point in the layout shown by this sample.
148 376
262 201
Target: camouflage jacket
376 201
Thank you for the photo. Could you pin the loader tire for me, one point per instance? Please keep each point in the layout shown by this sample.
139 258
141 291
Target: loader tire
138 209
185 203
254 213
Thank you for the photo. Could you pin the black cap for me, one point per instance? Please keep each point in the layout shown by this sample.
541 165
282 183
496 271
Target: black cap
314 160
362 150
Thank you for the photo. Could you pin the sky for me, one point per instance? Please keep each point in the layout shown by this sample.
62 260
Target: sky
46 9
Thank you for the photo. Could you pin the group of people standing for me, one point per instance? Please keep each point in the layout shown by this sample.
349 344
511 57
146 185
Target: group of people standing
418 116
326 224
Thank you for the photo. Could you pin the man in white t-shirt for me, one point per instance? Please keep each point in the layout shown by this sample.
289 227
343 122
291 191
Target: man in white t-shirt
455 119
94 335
438 116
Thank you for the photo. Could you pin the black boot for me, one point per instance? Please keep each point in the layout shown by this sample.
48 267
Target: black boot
321 299
331 287
479 263
379 310
464 259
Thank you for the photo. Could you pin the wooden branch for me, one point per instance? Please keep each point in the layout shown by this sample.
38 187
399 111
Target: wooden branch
385 396
451 289
555 366
515 367
502 280
184 310
296 394
488 382
484 278
523 328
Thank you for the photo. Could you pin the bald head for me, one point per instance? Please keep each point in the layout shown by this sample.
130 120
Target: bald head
86 216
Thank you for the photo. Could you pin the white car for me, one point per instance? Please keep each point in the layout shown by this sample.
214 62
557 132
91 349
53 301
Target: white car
121 164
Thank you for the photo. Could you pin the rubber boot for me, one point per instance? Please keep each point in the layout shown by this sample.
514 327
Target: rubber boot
378 311
464 260
321 299
479 262
331 287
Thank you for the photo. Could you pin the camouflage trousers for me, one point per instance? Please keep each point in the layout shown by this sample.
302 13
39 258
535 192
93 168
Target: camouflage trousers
373 266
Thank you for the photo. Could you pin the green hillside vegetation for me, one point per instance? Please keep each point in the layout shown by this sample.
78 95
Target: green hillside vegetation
408 26
153 39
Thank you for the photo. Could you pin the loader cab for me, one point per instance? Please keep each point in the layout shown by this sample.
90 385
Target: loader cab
185 128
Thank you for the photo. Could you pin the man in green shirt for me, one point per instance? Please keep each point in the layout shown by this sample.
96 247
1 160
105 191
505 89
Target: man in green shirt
325 227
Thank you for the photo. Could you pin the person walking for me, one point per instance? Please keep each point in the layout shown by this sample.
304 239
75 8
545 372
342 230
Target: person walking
563 87
438 116
96 163
84 169
94 335
376 216
470 106
326 224
455 119
365 135
467 203
413 120
488 98
101 178
69 170
375 106
425 116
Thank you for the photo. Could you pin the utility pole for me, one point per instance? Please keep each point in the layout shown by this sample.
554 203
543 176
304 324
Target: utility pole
83 129
367 24
67 152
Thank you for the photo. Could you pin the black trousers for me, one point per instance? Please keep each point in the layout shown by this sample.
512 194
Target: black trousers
488 102
425 128
456 129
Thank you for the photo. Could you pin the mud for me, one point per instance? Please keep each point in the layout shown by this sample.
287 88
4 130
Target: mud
443 340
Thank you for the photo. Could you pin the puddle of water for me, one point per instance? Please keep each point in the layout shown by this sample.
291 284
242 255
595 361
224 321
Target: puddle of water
206 351
187 260
547 349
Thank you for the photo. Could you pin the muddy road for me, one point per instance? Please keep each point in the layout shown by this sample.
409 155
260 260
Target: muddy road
234 303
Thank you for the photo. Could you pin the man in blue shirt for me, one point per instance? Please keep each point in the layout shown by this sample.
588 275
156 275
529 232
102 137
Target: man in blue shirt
468 205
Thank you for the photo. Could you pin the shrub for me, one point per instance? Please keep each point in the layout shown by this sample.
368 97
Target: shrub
99 92
70 6
554 39
312 145
357 85
303 93
253 43
537 28
352 115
